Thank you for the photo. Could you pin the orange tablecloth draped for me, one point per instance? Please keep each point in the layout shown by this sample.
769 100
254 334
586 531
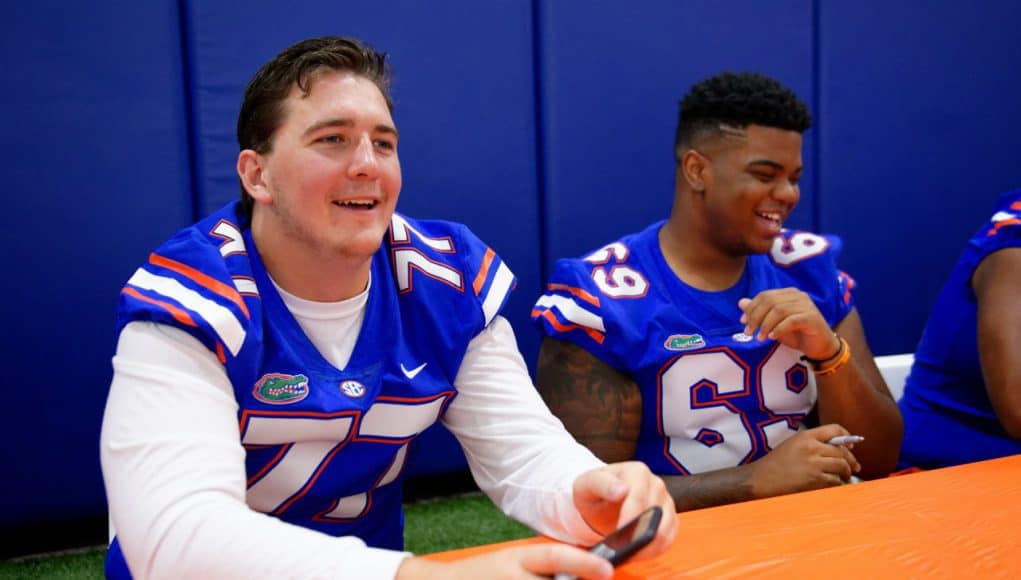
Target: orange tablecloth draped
957 522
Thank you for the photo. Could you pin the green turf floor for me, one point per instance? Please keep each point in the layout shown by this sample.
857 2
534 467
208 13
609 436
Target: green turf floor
430 526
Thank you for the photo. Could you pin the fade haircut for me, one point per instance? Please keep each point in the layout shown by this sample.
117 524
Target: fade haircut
737 100
299 65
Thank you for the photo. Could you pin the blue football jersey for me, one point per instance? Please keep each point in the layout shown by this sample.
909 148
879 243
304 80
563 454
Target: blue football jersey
948 418
326 447
712 397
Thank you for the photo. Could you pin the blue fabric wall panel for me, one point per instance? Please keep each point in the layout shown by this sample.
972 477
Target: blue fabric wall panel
920 112
463 102
612 75
96 167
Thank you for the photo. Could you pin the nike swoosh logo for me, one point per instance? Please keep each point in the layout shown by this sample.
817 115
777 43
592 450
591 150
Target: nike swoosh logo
411 374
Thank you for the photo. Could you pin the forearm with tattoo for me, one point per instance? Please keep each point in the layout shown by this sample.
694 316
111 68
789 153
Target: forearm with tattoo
692 492
598 404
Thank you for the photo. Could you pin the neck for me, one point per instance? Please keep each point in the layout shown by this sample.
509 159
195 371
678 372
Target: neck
694 259
316 276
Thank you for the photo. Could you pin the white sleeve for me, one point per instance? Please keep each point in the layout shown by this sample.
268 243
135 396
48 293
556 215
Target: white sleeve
520 454
174 471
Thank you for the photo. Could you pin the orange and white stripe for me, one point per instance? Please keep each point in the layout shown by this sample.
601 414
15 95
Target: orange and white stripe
1003 219
503 280
226 325
570 311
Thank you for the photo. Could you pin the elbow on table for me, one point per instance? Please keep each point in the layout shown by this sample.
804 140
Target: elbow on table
1011 421
1005 396
883 461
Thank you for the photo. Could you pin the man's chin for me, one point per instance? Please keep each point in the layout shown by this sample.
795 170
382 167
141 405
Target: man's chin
362 246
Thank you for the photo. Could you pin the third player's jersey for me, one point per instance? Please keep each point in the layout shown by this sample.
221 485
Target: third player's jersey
712 397
326 447
948 418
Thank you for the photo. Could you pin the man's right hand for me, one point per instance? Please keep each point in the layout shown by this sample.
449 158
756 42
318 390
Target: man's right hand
803 462
533 562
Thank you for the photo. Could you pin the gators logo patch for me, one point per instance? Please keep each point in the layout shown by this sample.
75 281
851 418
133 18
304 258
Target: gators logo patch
280 389
684 342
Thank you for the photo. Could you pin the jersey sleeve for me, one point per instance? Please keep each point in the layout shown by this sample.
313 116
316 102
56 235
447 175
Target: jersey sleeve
574 310
1003 230
451 254
811 260
185 284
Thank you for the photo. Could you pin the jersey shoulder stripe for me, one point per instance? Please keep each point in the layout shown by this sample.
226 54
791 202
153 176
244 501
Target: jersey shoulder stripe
189 282
214 285
179 314
228 327
1007 216
557 323
570 311
497 292
567 307
579 293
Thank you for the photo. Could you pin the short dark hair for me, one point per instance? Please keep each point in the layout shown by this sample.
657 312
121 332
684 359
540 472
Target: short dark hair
737 100
299 65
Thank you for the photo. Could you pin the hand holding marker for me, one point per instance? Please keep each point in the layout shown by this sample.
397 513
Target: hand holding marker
847 440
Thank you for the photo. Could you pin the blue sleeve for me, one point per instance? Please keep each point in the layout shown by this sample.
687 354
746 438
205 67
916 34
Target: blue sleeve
185 284
1003 230
811 260
574 310
450 253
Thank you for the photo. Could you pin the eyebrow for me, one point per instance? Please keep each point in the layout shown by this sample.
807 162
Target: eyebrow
770 164
345 122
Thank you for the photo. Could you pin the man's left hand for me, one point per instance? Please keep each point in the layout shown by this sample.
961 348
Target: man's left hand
611 496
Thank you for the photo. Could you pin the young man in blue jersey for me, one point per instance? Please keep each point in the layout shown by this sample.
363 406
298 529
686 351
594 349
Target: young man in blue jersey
962 399
710 344
276 359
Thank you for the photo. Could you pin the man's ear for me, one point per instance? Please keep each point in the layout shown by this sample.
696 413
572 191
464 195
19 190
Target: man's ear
695 169
252 171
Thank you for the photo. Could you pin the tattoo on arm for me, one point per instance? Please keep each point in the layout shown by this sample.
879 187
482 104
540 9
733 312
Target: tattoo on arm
598 404
692 492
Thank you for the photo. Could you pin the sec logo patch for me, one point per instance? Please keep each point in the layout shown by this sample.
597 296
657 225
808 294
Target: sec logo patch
353 389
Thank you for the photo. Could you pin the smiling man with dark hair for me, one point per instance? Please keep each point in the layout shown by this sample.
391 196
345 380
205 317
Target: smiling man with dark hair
276 360
710 344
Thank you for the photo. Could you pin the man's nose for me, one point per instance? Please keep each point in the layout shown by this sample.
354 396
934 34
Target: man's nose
787 190
364 163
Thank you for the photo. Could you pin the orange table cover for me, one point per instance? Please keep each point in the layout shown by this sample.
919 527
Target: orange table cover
956 522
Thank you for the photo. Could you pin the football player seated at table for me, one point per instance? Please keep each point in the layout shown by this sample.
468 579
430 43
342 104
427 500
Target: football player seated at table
719 348
276 359
962 399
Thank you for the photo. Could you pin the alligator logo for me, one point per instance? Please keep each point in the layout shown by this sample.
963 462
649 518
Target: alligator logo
684 342
280 389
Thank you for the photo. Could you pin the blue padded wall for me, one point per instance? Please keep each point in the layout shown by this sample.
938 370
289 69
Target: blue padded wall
612 75
463 102
96 174
920 112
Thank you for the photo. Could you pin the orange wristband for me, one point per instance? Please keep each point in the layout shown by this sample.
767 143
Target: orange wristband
831 365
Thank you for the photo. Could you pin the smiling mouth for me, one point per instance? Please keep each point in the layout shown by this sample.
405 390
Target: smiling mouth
775 218
356 204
